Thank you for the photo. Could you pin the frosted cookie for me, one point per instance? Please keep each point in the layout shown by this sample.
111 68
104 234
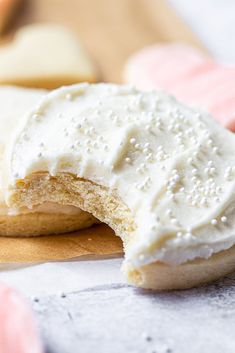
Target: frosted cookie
162 175
42 219
44 56
189 75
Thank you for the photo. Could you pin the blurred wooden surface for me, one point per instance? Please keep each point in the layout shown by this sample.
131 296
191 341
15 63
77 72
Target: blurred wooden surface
111 29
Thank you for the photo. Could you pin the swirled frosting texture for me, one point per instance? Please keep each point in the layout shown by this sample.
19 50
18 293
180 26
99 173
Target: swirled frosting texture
173 166
14 103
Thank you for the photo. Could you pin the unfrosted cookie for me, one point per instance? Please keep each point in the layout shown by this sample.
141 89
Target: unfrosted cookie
188 74
161 174
47 218
44 56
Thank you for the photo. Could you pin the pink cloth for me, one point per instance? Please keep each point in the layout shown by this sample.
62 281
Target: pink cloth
189 75
18 332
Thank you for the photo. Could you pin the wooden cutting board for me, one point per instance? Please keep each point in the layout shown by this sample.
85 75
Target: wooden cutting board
111 30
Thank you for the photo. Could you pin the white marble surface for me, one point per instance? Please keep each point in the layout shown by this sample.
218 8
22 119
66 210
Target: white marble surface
63 277
119 319
98 312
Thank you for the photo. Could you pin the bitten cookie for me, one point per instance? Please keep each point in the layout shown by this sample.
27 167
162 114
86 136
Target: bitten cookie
44 56
161 174
46 218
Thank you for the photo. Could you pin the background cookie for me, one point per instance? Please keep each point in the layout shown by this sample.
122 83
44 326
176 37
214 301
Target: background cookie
44 56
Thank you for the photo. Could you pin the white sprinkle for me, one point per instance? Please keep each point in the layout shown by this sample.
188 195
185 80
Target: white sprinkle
209 142
92 130
110 113
188 235
127 159
176 178
223 219
174 221
141 257
149 157
203 201
212 171
132 140
214 222
168 212
190 160
189 198
36 116
69 96
115 119
25 136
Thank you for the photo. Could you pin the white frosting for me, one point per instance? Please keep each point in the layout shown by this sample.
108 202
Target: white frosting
14 103
173 166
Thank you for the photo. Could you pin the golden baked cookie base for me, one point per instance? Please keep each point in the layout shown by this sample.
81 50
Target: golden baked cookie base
33 224
160 276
